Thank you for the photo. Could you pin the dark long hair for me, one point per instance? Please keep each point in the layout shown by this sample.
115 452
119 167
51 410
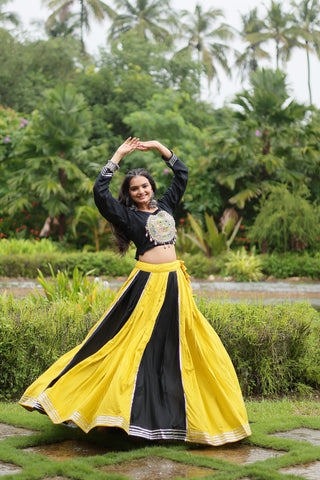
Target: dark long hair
124 198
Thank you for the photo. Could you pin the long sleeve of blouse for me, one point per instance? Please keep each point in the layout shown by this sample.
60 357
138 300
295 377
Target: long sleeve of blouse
133 222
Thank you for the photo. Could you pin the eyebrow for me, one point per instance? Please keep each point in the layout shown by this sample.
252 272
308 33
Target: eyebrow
136 186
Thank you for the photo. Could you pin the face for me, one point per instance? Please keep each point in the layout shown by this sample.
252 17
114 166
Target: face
140 190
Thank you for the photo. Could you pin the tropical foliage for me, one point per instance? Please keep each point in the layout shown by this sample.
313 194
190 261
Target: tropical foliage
205 39
244 267
212 241
307 31
287 220
49 168
63 114
97 8
78 289
147 19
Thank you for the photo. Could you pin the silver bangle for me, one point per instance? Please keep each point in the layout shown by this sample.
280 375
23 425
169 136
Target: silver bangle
170 161
109 168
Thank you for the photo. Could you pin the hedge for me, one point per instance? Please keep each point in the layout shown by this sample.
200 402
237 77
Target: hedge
113 265
102 263
275 349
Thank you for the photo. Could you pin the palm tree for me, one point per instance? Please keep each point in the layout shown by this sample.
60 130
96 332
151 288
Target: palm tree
257 151
201 34
64 24
97 8
277 27
248 60
148 18
307 26
10 17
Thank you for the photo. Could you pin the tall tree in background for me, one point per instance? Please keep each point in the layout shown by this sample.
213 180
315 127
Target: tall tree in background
98 9
8 17
278 28
64 24
148 18
205 39
307 27
52 172
247 61
259 147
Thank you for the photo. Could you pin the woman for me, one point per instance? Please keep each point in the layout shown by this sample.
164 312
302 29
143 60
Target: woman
152 365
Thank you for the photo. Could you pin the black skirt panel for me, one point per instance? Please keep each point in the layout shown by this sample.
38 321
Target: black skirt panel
158 401
111 324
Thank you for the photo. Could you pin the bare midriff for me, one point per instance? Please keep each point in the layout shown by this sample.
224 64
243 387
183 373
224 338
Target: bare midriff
159 254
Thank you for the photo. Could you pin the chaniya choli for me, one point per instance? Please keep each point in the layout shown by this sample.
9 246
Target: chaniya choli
152 365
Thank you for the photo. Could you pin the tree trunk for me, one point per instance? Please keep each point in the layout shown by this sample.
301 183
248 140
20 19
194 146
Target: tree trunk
81 27
266 142
62 226
62 218
309 72
277 55
45 231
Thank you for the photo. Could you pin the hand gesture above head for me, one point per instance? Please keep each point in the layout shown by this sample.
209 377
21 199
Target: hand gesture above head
128 146
149 145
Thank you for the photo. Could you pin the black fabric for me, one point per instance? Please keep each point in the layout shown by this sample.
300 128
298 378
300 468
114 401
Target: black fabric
158 401
114 320
133 222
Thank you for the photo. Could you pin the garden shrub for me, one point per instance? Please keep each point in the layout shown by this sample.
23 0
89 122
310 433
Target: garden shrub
286 221
242 266
291 265
26 246
107 263
102 263
199 266
33 335
275 349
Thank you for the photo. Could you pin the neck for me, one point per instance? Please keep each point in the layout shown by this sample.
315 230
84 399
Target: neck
147 209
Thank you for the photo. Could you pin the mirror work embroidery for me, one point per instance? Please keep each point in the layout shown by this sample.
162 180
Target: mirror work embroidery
161 228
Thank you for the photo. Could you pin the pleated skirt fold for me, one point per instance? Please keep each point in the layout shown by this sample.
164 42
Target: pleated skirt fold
152 366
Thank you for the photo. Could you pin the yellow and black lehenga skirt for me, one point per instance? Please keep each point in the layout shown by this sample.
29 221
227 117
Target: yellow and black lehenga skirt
152 366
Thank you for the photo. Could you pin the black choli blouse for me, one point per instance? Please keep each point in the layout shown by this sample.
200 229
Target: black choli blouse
133 222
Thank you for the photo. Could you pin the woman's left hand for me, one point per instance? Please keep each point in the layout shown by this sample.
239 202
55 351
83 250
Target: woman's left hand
154 145
149 145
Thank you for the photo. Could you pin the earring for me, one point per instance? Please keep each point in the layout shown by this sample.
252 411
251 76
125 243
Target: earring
153 201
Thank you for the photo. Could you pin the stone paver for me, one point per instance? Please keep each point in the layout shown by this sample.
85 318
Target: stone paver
67 450
8 468
56 478
310 471
11 431
156 468
302 434
238 453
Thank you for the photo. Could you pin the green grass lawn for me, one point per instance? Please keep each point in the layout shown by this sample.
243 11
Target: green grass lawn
266 416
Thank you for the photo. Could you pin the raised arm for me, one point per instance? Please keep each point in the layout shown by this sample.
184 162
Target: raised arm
108 206
180 179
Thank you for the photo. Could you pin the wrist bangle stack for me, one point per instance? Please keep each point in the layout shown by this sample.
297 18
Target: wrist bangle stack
170 161
109 168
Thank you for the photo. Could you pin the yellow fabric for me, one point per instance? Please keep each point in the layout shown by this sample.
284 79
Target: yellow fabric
102 385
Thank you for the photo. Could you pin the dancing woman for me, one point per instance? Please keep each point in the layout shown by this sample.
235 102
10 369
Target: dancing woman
152 365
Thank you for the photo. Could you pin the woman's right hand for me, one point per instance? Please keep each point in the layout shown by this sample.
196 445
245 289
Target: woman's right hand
127 147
